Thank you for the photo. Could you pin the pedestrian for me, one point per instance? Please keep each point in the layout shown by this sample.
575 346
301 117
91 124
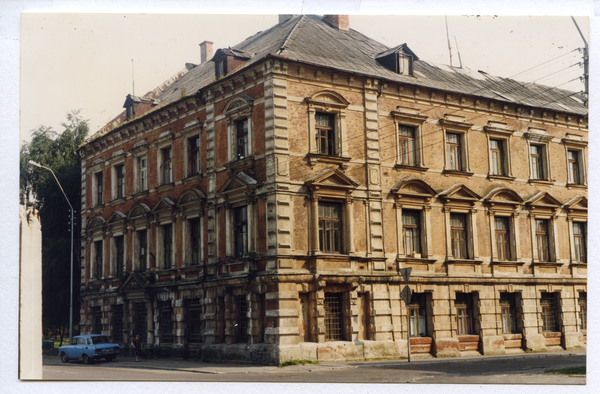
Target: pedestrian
137 347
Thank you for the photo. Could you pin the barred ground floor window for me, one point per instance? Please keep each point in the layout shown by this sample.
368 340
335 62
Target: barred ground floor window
334 317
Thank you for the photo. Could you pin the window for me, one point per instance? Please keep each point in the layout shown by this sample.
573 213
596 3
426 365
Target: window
324 124
573 163
140 320
195 322
498 157
580 241
97 319
193 156
120 175
98 259
221 68
143 174
417 315
453 152
458 229
118 323
99 186
330 227
508 313
166 169
166 322
334 317
241 127
411 231
142 252
464 313
240 223
241 319
538 165
195 240
541 235
549 312
119 255
501 225
407 145
167 233
582 301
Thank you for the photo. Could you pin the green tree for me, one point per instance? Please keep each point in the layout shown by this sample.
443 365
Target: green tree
57 151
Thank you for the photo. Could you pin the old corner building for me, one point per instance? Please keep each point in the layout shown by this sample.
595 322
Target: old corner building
259 206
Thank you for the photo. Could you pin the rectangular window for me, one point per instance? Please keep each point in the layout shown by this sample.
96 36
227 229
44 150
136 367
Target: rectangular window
118 323
498 157
99 188
417 315
458 228
195 322
242 138
143 174
330 227
549 311
464 313
411 225
454 152
167 231
537 162
241 319
120 174
98 259
240 229
541 235
574 167
166 322
193 156
141 321
120 255
97 319
324 124
407 152
334 317
167 166
195 239
142 236
508 313
502 238
580 240
582 301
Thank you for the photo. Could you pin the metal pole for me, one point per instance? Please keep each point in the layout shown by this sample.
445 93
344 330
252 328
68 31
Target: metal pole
408 330
33 163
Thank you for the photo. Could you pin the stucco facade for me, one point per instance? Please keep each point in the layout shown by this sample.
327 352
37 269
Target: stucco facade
278 202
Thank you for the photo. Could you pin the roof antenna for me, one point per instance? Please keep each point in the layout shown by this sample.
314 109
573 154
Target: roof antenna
448 37
586 74
132 78
458 51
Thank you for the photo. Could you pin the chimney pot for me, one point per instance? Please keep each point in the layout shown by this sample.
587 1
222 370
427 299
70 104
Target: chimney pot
206 49
340 22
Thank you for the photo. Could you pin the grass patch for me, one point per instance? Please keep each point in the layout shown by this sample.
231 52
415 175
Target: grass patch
568 371
296 362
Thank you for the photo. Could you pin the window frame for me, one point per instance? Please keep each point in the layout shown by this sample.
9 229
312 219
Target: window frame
464 306
409 117
119 254
463 251
335 316
119 171
579 247
550 312
166 239
539 138
337 236
240 227
582 311
501 133
456 125
237 110
327 144
576 144
98 261
98 186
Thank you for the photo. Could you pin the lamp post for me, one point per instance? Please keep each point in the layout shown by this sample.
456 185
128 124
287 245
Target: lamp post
34 164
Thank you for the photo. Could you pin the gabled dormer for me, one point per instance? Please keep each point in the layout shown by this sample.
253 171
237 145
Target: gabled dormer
136 106
228 59
399 59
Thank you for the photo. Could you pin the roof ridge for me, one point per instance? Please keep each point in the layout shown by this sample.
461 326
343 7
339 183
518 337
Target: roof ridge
289 36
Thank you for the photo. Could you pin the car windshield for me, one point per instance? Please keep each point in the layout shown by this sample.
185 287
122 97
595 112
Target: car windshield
99 339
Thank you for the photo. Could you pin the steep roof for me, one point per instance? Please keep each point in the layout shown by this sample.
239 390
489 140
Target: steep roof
308 39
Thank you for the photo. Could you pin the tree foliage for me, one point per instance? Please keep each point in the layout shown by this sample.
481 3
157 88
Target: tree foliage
57 151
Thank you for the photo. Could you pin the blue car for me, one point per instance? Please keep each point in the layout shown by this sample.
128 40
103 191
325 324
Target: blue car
89 348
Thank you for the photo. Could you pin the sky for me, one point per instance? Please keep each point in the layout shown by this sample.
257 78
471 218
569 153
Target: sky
90 62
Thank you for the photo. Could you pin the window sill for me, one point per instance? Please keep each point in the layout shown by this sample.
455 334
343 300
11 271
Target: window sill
140 194
508 262
501 177
404 167
165 187
117 201
410 259
192 178
540 182
451 260
552 263
578 263
97 208
464 174
314 158
576 186
236 163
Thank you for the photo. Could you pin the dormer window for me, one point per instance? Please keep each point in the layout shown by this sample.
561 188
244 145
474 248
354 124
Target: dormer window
404 64
229 59
221 69
399 59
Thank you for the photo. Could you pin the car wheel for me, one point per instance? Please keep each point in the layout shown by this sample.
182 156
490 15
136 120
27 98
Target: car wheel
86 359
64 358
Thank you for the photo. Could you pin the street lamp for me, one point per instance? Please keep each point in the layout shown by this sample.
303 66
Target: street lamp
34 164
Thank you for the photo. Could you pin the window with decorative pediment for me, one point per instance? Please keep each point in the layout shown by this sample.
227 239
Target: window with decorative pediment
327 127
503 207
460 208
543 208
576 210
409 142
238 113
191 148
191 205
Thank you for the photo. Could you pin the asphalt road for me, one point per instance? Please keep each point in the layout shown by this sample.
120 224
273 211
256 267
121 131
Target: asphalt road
509 369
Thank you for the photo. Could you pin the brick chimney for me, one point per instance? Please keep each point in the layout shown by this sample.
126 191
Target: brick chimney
340 22
285 17
206 51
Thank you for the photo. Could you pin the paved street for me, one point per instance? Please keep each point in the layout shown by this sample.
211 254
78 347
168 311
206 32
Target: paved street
508 369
